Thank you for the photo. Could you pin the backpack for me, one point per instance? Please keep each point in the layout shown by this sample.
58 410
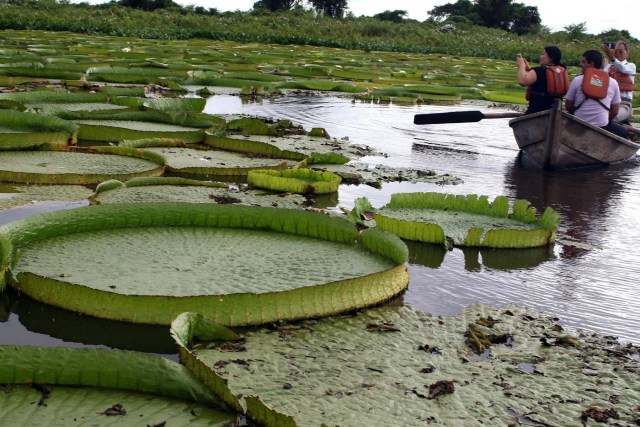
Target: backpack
595 83
557 82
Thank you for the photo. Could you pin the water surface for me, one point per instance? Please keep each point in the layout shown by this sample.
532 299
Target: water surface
587 279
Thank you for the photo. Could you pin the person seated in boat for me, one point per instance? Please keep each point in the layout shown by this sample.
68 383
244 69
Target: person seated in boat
545 83
593 96
624 72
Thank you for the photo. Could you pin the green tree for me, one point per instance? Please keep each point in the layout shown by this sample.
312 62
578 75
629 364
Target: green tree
393 16
576 31
149 5
331 8
503 14
274 5
461 8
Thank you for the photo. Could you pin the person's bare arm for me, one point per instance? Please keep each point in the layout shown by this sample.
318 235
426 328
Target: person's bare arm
569 106
613 111
526 75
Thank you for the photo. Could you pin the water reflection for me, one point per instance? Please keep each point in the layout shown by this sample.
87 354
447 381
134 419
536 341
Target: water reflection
52 322
432 256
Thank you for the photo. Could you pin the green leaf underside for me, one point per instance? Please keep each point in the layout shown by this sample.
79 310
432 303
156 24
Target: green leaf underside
139 126
192 159
198 194
52 163
68 406
340 371
183 261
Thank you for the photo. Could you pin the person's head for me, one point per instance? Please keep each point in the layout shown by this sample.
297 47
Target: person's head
591 59
621 51
551 55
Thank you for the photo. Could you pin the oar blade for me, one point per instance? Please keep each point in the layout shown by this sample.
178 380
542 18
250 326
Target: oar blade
452 117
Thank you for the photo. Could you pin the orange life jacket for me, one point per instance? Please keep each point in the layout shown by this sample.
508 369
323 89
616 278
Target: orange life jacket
595 83
557 82
624 80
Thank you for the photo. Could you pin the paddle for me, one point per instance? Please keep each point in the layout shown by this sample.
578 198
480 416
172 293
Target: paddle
460 117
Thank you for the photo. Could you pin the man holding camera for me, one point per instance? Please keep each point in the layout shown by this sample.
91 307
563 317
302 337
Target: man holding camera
624 73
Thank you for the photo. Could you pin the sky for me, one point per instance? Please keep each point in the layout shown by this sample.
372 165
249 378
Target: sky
555 14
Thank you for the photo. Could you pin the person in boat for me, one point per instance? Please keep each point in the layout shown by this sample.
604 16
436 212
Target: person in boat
594 96
624 72
546 82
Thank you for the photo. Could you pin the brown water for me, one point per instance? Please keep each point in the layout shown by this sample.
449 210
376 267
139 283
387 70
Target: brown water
588 278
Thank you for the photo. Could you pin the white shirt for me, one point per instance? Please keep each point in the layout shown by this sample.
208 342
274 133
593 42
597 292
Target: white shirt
624 67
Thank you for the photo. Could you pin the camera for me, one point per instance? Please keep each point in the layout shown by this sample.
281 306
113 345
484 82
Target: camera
610 45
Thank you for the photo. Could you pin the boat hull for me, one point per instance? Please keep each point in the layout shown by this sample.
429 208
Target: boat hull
555 139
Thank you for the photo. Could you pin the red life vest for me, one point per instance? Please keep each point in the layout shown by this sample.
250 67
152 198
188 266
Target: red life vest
624 80
557 82
595 83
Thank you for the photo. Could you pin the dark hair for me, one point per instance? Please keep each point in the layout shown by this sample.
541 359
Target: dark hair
554 53
593 56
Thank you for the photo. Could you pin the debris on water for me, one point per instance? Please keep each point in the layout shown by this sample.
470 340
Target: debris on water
429 349
440 387
525 419
116 409
382 327
599 415
565 341
480 340
44 391
487 321
224 200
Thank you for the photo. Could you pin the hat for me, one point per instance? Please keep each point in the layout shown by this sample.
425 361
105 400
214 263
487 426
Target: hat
554 53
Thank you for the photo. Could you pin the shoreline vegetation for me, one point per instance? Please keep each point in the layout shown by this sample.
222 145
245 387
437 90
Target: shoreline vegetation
301 27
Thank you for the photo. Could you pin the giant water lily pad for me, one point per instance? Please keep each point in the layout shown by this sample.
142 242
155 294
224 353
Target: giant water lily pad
395 366
467 220
22 129
297 147
239 265
174 189
62 386
216 162
15 195
81 166
119 130
301 181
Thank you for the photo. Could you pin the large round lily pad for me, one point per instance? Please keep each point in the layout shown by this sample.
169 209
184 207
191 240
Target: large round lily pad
240 265
89 166
467 220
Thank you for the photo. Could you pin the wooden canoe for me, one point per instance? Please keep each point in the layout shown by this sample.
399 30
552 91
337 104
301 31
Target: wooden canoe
555 139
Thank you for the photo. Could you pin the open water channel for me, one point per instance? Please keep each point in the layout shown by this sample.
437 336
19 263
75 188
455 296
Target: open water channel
589 278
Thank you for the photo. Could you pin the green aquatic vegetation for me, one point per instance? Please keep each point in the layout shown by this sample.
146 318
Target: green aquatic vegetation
77 166
469 220
338 370
218 260
14 195
166 105
50 97
301 181
119 130
294 147
21 130
216 162
322 85
513 96
86 384
174 189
